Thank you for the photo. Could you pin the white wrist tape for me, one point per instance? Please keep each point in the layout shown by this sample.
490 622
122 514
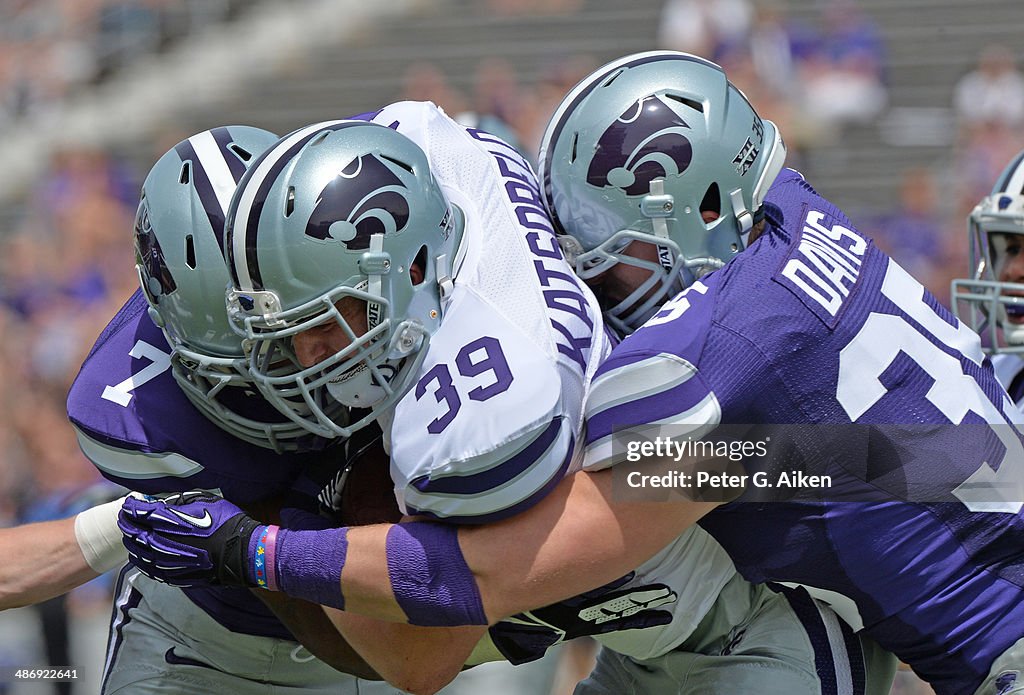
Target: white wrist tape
99 537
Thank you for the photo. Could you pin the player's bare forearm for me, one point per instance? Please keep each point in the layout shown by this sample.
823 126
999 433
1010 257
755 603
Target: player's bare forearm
576 539
411 658
365 582
40 561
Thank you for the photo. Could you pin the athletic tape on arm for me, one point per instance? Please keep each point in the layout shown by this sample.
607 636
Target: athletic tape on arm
429 576
99 537
303 564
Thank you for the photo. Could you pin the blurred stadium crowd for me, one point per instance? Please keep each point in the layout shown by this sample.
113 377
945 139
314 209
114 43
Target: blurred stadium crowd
51 49
66 265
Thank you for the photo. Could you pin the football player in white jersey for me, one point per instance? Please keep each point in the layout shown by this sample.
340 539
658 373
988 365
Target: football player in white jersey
992 300
163 405
432 321
405 263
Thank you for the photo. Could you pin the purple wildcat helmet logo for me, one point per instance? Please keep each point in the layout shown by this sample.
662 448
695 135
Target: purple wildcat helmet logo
364 199
644 143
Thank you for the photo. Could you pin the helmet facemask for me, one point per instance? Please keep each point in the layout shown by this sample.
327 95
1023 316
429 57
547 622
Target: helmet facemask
995 307
664 276
372 371
181 270
352 208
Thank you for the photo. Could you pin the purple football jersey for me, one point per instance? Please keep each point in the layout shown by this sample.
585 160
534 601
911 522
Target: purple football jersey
815 334
139 429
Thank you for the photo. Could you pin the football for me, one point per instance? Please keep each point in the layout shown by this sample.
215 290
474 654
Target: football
367 496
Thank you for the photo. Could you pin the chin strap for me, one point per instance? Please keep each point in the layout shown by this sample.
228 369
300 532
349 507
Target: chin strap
571 248
446 271
375 264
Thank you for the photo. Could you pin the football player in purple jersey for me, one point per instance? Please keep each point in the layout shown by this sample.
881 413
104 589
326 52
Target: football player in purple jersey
992 299
792 321
789 322
162 405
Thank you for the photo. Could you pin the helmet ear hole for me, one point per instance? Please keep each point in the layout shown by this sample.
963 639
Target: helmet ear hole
421 261
712 201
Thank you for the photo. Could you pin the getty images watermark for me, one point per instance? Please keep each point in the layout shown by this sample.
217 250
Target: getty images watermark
655 462
668 449
973 464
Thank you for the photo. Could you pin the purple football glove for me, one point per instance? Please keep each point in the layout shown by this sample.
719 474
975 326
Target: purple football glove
609 608
190 538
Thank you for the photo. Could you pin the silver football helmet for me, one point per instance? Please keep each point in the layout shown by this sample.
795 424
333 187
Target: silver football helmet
638 151
334 216
993 296
179 228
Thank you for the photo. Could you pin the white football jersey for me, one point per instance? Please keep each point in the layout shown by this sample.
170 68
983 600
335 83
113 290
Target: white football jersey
492 421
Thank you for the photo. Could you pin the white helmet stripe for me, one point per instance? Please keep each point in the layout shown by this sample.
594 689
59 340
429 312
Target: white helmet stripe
211 158
267 168
1015 186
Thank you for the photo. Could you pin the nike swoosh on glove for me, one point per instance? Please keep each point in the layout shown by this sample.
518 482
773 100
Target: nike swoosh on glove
189 538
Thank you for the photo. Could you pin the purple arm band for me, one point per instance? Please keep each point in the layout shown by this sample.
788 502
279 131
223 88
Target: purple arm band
429 576
307 564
